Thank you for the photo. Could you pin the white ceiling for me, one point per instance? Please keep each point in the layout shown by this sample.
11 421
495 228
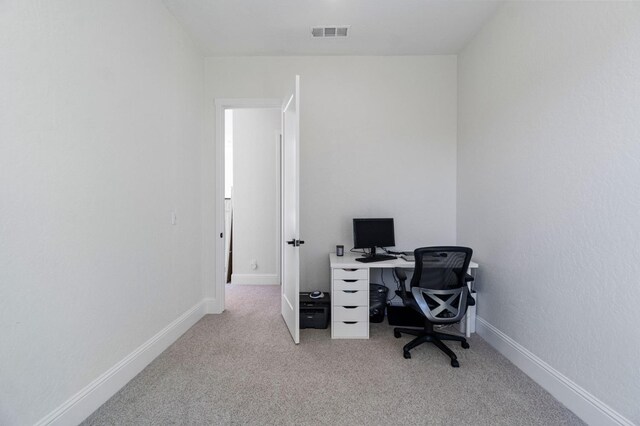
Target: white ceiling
378 27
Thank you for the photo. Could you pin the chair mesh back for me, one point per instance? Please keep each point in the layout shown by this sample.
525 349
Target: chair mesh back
441 279
442 270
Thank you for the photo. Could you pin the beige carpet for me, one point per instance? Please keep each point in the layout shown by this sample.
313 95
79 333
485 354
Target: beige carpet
241 367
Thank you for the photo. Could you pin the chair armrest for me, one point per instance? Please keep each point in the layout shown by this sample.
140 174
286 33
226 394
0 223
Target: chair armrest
402 276
470 300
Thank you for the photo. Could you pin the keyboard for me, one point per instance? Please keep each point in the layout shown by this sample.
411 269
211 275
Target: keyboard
412 258
376 258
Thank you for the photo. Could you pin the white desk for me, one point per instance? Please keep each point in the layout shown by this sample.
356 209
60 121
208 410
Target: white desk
350 295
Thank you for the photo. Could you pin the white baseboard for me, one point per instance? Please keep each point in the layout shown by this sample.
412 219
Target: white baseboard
586 406
91 397
254 279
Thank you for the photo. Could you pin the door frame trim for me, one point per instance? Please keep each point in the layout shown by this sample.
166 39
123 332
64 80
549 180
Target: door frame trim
222 104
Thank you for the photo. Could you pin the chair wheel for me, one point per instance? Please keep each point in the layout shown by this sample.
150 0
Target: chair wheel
406 355
396 334
455 363
465 345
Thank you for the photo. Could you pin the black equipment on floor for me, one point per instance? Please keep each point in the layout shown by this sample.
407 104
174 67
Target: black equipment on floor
439 293
377 302
314 313
404 316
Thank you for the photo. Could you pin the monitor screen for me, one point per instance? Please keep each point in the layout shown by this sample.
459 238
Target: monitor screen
369 233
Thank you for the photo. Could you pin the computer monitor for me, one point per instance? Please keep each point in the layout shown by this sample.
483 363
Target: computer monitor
372 233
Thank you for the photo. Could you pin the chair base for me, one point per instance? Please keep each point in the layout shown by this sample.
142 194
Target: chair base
429 335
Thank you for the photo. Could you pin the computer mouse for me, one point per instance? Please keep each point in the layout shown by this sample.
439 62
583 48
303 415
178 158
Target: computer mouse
316 294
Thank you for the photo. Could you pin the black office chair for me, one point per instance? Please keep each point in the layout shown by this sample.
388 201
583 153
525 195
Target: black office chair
439 293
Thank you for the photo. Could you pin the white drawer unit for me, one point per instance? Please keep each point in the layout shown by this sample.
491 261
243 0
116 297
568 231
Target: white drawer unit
351 298
350 313
350 285
350 303
350 274
350 330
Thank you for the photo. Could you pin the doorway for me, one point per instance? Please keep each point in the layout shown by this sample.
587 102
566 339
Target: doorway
249 208
252 196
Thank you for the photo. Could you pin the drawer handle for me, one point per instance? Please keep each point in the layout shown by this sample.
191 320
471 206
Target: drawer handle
350 322
350 291
349 281
349 307
349 269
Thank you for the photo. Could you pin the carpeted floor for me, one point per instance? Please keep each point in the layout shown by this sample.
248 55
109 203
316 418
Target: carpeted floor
241 367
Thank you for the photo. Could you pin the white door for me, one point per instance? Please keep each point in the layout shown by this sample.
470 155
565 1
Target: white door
291 211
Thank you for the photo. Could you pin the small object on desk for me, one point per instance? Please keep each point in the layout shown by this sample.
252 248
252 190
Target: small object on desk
340 250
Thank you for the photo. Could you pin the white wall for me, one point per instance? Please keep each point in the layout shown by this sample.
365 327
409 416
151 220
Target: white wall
549 183
256 202
378 139
101 117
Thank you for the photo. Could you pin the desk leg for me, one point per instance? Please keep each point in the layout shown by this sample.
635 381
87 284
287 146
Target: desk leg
470 318
467 328
468 323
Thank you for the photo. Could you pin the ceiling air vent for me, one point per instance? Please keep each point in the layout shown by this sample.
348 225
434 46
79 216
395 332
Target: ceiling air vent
330 31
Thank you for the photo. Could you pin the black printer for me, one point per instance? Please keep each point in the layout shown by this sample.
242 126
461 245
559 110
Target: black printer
314 312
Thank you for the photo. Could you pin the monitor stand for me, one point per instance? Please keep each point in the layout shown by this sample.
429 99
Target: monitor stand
373 257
